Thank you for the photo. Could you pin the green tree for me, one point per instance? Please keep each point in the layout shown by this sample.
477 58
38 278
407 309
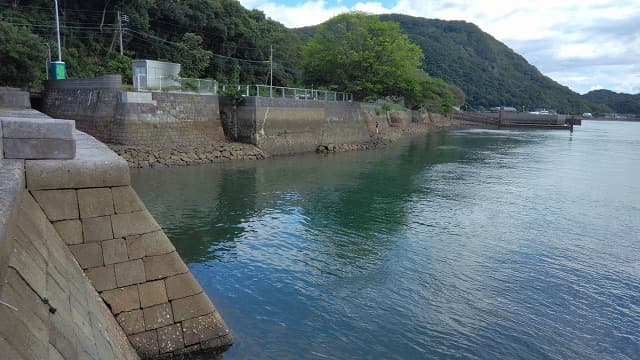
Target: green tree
22 56
360 54
458 93
119 64
193 58
429 93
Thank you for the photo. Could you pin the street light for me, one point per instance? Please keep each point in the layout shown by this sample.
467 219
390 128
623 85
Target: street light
58 71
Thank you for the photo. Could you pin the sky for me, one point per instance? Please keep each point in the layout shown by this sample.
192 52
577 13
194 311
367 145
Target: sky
583 44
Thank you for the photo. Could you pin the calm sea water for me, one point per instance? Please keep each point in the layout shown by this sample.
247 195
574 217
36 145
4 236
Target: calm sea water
470 244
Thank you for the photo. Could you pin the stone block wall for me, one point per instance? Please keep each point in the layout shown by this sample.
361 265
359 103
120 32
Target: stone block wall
48 308
138 118
85 270
135 269
288 126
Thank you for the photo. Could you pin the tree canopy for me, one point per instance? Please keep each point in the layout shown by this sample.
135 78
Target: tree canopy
360 54
372 59
22 56
236 41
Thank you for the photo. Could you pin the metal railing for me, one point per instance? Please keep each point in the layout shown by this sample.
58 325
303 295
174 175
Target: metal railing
208 86
170 83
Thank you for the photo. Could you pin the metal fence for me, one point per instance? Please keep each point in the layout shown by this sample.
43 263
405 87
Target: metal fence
208 86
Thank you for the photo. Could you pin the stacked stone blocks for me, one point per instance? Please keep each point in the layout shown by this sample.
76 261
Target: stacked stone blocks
69 215
50 311
131 118
135 268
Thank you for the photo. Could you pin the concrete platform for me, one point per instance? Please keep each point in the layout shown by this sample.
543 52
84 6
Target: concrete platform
94 165
37 138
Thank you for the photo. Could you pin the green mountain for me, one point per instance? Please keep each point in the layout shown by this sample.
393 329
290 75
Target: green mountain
620 103
489 72
222 40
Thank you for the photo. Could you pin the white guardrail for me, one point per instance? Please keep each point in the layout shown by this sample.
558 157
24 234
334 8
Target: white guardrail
208 86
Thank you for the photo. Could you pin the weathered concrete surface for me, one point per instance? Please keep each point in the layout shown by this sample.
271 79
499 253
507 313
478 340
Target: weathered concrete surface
94 166
39 149
1 143
37 128
288 126
138 273
14 98
11 185
37 138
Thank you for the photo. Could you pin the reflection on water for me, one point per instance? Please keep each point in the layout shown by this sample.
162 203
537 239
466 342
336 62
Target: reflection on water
478 243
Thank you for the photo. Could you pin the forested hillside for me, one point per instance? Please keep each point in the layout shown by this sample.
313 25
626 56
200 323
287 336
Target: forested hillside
235 41
490 73
222 40
619 102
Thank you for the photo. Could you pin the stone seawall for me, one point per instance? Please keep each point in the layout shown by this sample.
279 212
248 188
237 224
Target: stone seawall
85 270
151 129
289 126
138 118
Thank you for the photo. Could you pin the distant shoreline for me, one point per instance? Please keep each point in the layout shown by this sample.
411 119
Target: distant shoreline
616 119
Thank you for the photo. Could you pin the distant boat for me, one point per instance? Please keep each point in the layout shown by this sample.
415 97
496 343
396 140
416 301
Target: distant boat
587 115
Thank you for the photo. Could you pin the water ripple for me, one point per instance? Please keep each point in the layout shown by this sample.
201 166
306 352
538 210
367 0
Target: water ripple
475 244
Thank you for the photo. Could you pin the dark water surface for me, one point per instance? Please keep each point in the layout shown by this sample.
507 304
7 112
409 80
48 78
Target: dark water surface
469 244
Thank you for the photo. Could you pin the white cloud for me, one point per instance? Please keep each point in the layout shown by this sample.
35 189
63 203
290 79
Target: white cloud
303 14
560 37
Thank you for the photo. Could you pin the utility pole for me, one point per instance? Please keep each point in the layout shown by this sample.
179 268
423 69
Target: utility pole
271 71
47 61
120 30
58 32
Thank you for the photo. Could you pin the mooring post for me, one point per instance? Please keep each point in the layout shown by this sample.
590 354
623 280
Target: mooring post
571 121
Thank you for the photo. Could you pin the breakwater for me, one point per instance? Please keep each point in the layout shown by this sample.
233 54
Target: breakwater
85 271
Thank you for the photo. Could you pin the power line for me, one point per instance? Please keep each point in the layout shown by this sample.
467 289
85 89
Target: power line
47 23
210 52
96 28
51 8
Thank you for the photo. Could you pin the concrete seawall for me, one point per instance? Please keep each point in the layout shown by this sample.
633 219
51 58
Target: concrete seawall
114 116
290 126
85 270
172 129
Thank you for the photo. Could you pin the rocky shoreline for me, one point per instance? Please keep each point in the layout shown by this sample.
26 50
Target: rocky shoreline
150 157
147 157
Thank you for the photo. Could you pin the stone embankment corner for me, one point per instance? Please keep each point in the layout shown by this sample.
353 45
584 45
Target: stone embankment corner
85 270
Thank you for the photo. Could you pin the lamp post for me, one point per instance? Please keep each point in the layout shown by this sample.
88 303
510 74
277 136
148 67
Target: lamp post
58 71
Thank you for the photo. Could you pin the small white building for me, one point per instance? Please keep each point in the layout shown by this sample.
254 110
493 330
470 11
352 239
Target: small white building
152 74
